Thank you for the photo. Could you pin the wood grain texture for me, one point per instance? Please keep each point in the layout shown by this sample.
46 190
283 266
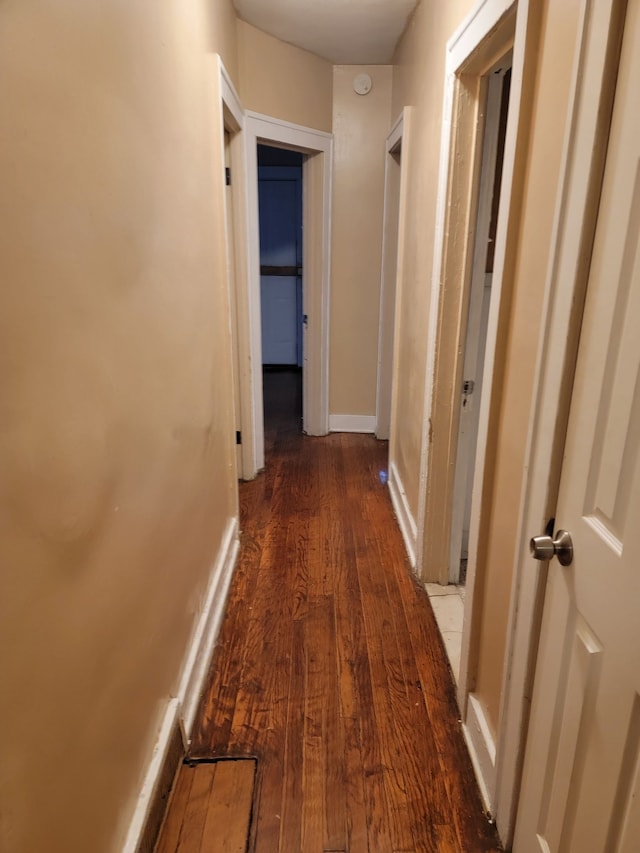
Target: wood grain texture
329 667
210 811
226 828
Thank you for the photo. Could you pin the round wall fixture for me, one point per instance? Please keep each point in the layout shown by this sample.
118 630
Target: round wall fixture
362 84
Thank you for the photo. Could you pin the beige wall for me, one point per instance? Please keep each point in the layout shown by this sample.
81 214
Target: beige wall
419 82
558 36
222 35
283 81
360 126
115 442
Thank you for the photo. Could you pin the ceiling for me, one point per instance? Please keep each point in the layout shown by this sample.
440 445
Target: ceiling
346 32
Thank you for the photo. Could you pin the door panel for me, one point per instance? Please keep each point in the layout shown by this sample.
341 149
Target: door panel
581 778
280 202
279 218
279 314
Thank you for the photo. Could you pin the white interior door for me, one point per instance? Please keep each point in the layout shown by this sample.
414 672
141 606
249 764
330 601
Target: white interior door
581 782
280 205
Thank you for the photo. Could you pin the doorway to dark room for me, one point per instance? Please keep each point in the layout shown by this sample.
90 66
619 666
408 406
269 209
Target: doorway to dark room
281 288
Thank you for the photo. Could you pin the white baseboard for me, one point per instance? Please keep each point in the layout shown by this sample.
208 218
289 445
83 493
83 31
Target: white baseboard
352 423
182 707
151 780
482 749
406 521
196 665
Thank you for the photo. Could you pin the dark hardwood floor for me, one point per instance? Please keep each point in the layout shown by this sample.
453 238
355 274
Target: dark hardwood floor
329 668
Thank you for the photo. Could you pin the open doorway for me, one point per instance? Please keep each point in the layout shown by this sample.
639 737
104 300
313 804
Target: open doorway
316 148
244 133
474 338
281 288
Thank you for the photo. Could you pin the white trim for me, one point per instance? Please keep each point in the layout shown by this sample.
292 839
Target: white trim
482 749
232 121
229 96
386 325
288 133
434 299
395 134
316 416
507 225
483 18
152 778
352 423
476 28
403 215
406 521
583 161
198 659
466 448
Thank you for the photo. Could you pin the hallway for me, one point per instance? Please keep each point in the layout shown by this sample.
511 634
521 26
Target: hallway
131 367
329 668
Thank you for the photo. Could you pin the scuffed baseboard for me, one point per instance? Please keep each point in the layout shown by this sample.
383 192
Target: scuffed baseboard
196 666
167 756
482 750
406 521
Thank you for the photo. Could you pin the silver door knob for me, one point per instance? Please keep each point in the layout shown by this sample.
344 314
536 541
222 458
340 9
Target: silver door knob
544 548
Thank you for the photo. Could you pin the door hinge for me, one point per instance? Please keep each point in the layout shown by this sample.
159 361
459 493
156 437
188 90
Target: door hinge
227 176
238 437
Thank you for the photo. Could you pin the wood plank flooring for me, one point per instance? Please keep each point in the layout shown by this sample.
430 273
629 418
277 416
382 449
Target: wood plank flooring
329 667
210 809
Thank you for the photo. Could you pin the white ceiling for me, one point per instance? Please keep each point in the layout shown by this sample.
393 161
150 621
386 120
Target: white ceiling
346 32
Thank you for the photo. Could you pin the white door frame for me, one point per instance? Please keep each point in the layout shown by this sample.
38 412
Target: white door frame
389 271
590 106
492 29
233 120
473 49
471 339
316 188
